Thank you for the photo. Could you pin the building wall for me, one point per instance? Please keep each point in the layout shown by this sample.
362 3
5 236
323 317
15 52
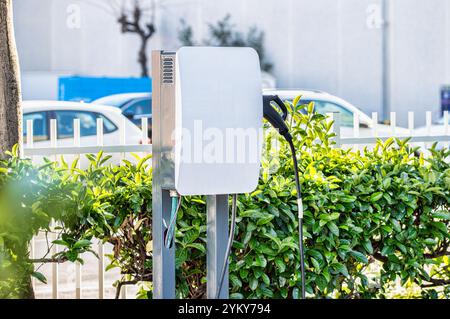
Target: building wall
420 54
332 45
33 29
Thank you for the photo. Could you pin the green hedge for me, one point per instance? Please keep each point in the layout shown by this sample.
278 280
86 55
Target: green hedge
372 217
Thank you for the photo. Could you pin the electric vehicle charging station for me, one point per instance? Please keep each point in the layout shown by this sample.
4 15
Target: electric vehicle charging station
212 92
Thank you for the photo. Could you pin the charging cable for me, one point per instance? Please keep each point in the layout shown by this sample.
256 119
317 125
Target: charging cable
278 122
230 243
170 234
300 216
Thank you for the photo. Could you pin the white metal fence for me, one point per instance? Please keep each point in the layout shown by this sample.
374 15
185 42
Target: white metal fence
29 150
357 139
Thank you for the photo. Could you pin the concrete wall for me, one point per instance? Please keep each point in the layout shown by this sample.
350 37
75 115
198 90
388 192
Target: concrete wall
332 45
41 85
420 54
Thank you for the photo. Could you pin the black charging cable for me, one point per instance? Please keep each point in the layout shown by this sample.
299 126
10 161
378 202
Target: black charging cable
277 120
300 216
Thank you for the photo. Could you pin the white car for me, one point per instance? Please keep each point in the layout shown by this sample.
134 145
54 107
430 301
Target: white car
41 112
327 103
134 106
437 128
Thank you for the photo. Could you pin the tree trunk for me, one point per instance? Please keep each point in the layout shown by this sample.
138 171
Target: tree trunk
10 94
28 291
143 59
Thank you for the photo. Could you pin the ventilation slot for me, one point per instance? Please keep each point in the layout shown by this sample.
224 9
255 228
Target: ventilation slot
168 70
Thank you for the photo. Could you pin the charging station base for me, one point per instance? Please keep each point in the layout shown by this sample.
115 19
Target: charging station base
217 234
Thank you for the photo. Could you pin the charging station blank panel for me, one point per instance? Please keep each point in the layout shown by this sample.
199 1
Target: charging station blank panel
218 121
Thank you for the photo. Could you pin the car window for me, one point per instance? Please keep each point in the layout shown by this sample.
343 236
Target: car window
108 126
40 129
324 107
139 107
88 123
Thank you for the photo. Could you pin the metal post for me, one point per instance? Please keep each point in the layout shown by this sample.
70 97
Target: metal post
386 59
163 64
336 128
217 235
163 257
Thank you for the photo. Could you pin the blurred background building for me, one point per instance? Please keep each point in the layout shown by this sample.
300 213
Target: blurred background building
391 57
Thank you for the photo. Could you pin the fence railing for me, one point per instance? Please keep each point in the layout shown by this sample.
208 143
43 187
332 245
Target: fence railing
357 139
29 150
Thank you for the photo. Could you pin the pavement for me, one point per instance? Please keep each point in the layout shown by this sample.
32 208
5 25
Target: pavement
67 276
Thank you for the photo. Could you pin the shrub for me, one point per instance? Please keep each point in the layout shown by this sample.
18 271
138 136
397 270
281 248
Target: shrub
31 198
372 217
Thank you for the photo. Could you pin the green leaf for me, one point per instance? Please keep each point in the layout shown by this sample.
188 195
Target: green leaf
265 220
359 256
340 268
39 276
244 273
267 292
181 255
260 261
280 264
334 216
111 266
348 199
333 228
387 182
315 253
402 247
310 107
368 246
321 282
441 214
316 264
296 100
376 197
142 161
252 213
266 279
396 225
197 200
253 283
82 244
430 241
197 246
235 281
